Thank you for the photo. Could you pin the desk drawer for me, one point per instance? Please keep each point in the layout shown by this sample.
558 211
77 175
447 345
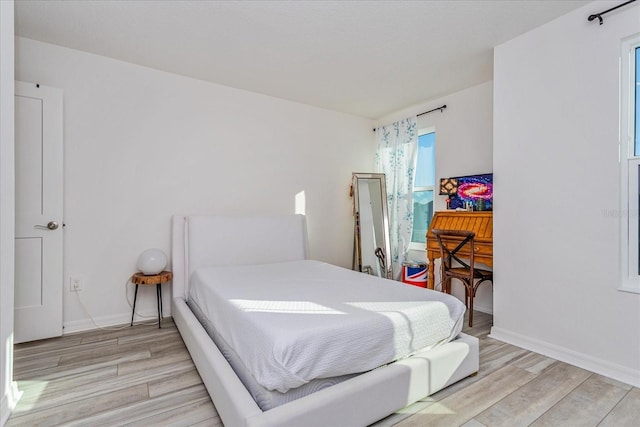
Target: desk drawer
483 249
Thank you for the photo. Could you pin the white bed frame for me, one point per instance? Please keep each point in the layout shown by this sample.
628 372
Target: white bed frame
359 401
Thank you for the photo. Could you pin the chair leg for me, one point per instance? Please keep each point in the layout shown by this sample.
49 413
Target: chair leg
473 290
446 285
443 284
466 294
471 295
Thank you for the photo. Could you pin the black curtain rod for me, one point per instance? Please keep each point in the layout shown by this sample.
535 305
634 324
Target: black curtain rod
441 108
599 15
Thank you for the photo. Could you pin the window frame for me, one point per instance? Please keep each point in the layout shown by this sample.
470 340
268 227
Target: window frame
419 246
629 170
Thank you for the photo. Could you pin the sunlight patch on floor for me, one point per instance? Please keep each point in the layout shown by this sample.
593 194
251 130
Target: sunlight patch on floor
31 391
438 408
427 406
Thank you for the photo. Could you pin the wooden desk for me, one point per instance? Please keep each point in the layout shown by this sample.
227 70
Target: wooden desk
480 223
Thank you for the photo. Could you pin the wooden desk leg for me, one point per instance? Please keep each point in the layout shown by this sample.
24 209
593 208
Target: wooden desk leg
133 312
430 278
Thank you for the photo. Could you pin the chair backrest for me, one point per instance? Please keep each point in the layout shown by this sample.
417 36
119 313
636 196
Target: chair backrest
451 243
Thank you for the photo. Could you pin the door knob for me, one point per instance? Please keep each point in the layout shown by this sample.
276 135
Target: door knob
51 225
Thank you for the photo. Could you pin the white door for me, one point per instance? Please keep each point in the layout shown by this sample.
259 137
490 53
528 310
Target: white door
38 245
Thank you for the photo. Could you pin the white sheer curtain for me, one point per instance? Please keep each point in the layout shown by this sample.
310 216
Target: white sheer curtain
396 156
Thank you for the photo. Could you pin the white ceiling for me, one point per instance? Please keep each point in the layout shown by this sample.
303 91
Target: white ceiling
367 58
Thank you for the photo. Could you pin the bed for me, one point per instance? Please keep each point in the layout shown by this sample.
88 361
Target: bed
245 254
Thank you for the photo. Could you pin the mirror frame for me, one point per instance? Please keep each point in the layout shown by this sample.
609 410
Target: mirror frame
386 246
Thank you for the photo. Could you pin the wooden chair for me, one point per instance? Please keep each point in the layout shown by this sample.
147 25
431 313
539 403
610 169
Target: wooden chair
457 245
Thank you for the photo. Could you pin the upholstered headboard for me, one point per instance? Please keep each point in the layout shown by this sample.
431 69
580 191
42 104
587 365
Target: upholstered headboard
210 240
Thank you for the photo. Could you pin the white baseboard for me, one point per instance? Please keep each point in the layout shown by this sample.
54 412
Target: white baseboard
108 321
581 360
5 410
9 401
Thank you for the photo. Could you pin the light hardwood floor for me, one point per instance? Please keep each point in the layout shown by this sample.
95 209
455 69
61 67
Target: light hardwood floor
143 376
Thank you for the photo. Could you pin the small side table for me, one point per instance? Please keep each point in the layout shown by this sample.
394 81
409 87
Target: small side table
151 279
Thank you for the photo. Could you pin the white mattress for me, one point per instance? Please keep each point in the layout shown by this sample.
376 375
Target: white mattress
293 322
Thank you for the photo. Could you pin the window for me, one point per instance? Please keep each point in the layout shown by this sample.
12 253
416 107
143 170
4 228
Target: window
630 161
636 117
423 188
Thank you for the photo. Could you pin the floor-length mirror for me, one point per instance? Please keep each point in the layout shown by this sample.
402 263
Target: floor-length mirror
371 225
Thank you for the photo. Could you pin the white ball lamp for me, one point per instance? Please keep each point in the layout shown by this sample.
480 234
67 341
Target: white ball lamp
152 261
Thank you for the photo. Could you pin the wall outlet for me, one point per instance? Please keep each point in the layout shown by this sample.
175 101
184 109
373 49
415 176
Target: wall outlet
75 284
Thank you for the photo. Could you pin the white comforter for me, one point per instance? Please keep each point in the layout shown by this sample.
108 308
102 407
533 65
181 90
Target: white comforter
296 321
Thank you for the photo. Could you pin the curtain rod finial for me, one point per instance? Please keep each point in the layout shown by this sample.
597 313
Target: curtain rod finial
592 17
599 15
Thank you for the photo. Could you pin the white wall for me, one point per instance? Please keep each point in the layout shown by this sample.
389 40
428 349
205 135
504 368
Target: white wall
8 388
464 141
141 145
556 252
